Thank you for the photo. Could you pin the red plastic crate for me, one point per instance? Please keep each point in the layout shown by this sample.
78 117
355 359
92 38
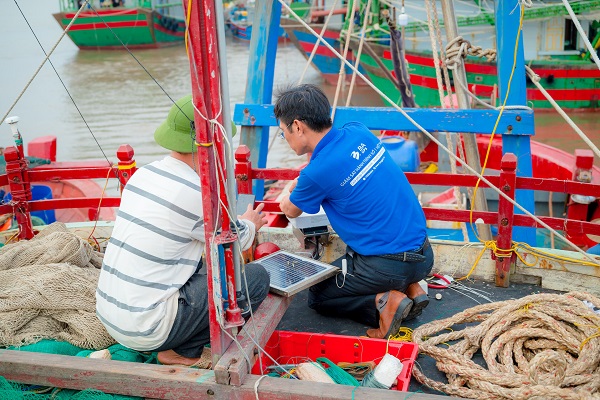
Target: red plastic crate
296 347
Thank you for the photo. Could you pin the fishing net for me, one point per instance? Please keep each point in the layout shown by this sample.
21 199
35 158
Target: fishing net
18 391
47 290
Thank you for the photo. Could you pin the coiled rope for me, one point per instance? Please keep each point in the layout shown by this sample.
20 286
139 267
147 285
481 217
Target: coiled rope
544 346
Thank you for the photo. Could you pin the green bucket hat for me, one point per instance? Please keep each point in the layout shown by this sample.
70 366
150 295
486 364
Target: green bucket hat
176 132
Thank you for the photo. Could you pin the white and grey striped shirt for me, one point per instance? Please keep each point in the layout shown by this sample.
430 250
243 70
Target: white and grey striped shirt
156 245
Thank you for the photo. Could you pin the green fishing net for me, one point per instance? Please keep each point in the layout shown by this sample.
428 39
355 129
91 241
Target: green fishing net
16 391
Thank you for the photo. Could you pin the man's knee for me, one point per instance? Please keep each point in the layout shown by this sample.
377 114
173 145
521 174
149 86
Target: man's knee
258 278
313 298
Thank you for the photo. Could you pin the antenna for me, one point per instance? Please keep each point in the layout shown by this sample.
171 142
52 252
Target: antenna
13 121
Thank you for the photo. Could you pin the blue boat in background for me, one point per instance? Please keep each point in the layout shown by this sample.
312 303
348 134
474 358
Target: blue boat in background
238 19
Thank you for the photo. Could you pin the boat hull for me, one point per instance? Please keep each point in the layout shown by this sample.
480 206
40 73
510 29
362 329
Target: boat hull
572 84
324 60
136 28
244 32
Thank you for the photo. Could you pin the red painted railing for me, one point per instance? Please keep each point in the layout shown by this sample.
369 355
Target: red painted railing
18 179
505 218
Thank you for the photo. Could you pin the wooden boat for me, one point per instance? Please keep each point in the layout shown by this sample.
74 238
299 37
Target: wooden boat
235 374
565 69
137 24
324 60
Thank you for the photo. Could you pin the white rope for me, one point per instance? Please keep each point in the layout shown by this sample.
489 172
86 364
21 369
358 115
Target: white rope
341 76
535 78
464 164
316 46
43 62
582 33
435 36
357 56
256 386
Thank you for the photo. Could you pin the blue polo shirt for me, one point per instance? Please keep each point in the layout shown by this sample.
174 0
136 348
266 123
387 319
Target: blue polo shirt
366 196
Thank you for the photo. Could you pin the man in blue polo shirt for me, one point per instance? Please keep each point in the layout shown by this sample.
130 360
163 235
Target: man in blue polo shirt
369 204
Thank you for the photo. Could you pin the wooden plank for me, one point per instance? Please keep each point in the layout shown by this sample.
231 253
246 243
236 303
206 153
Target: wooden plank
563 280
168 382
233 367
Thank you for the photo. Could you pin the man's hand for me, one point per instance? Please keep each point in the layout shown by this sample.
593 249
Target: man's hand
292 185
288 208
255 216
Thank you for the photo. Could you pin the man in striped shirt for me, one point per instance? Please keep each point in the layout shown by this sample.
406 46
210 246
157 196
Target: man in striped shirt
152 293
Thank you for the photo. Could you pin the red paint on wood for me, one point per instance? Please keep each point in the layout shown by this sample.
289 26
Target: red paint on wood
506 258
99 25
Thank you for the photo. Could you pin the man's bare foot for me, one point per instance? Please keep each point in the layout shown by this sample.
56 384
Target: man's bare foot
169 357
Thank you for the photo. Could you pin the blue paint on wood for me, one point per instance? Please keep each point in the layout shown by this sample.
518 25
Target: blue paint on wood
468 121
261 68
508 13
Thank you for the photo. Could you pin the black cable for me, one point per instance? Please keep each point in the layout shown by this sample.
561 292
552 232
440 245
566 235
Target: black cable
65 86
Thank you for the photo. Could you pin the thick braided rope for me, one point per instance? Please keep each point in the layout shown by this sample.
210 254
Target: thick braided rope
459 48
543 346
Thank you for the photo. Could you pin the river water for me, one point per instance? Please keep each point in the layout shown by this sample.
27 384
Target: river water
121 103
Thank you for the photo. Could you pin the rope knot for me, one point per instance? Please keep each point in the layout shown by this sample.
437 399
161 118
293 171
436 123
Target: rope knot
532 75
459 48
548 368
456 51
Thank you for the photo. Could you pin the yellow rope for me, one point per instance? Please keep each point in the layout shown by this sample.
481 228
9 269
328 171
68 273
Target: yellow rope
187 26
403 335
487 153
524 247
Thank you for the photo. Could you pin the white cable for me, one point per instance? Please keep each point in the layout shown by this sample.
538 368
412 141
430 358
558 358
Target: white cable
464 294
44 62
316 46
535 78
256 386
582 33
465 165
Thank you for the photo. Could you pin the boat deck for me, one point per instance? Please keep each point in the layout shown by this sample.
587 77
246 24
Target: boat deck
301 318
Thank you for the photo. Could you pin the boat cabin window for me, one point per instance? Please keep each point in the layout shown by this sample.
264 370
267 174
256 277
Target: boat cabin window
570 35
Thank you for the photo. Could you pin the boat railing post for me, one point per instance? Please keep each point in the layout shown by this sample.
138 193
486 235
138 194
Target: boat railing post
126 164
505 258
20 189
577 205
243 170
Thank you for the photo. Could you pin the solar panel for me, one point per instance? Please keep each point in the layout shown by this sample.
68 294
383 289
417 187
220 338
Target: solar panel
291 273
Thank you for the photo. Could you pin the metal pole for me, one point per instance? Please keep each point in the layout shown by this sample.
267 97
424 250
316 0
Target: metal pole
480 202
508 14
229 163
261 72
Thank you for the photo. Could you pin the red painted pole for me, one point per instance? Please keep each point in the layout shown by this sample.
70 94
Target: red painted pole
211 81
20 189
243 169
126 164
206 165
204 67
578 206
505 259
